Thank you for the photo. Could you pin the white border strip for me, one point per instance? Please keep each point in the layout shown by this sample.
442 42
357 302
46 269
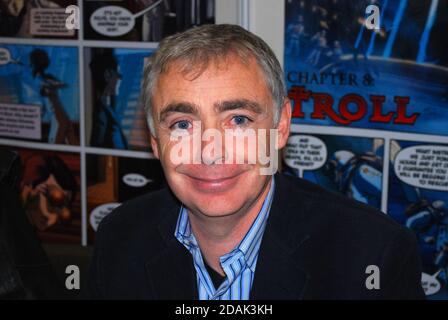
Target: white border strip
82 132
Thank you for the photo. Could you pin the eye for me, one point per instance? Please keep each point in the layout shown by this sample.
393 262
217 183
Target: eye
240 120
181 125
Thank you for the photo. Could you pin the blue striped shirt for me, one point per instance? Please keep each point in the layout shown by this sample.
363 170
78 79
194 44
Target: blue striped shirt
238 265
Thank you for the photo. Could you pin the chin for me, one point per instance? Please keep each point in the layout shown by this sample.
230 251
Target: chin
217 206
220 201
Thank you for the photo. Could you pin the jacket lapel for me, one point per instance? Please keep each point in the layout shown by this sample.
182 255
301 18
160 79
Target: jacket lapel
280 271
171 272
278 275
172 275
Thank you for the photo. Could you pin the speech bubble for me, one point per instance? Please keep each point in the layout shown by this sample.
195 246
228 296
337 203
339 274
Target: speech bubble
424 166
136 180
430 283
115 21
303 152
100 212
5 57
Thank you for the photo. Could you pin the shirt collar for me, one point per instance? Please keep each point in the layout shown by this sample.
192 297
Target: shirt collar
246 252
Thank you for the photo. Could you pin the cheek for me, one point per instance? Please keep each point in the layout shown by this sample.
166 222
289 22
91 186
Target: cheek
251 149
164 155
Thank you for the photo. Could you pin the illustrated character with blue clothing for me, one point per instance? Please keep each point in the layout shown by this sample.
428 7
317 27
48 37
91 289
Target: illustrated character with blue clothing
357 176
429 222
107 131
297 31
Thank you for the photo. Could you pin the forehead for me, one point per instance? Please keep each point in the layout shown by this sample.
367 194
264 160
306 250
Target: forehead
226 78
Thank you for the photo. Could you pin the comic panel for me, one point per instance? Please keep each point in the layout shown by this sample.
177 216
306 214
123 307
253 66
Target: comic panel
418 198
112 180
144 20
38 19
352 166
50 193
392 78
115 117
39 93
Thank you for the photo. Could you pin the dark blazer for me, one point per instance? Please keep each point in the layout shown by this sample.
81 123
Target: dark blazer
317 245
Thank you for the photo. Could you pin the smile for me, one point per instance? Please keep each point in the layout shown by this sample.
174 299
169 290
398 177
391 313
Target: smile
213 185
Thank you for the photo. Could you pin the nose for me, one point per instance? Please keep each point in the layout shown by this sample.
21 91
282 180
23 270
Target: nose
212 146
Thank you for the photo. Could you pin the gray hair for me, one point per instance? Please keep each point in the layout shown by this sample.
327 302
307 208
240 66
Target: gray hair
197 47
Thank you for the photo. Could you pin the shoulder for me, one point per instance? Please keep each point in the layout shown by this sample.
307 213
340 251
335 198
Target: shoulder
345 237
136 216
346 218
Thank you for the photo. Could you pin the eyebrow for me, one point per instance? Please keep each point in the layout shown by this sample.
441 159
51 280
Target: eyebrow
219 107
182 107
236 104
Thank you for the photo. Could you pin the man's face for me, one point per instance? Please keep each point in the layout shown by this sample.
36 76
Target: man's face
227 95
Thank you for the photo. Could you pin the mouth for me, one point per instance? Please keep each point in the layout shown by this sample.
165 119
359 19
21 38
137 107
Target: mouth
214 184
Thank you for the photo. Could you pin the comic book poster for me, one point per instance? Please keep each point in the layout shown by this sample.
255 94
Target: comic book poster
113 180
115 117
39 93
144 20
36 19
50 194
370 114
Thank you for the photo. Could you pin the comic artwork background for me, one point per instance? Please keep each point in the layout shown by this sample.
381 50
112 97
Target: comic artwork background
327 47
363 101
113 180
417 199
50 194
39 93
115 117
370 112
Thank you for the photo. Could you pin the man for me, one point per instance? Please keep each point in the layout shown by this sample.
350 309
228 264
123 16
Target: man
231 229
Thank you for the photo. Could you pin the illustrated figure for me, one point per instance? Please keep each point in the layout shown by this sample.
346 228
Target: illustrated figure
296 30
154 19
61 127
357 176
423 216
106 129
48 189
320 45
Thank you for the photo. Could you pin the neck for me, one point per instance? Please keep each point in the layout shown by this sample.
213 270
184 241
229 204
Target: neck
217 236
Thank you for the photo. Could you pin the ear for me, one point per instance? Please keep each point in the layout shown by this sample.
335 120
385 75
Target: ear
284 124
154 145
